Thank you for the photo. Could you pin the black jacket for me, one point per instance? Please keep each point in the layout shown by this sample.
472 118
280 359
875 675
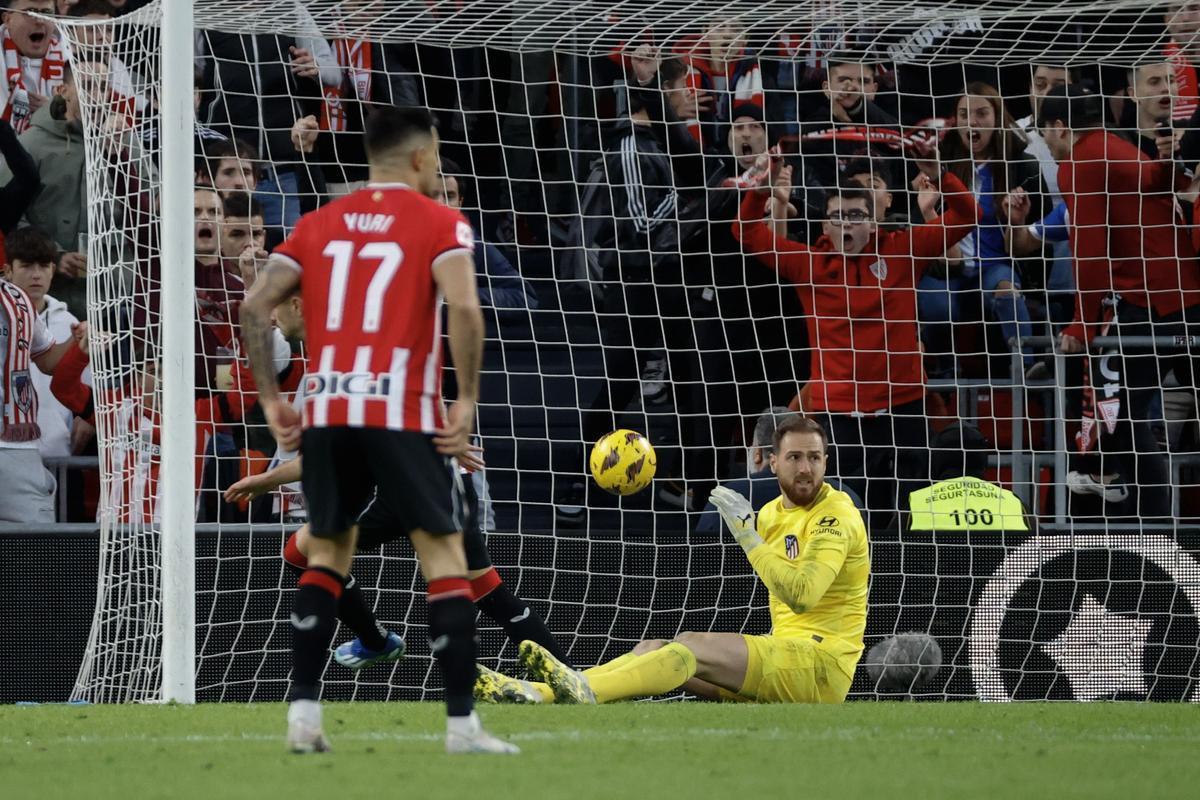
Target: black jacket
253 92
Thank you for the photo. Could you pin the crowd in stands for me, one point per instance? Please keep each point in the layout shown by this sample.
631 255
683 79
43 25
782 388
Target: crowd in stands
793 227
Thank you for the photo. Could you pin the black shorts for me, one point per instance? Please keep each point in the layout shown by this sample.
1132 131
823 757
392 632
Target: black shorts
380 523
344 468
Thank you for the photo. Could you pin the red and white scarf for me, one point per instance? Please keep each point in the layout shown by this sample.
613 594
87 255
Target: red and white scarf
17 109
20 396
354 61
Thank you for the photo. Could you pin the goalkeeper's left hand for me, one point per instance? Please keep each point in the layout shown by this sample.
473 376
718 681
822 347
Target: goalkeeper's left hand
738 515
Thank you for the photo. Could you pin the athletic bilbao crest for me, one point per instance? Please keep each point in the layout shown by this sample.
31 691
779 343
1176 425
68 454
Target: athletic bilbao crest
791 546
23 391
879 270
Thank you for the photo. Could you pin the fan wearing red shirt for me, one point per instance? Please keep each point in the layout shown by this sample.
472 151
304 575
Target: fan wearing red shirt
1132 250
858 288
374 268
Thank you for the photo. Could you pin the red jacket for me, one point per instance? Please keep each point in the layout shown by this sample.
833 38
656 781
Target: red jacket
862 310
1126 234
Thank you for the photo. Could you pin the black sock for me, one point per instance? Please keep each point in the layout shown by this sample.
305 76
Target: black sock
314 619
354 612
358 617
519 620
452 640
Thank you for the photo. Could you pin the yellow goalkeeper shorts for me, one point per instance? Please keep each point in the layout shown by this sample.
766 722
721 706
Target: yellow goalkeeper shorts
796 670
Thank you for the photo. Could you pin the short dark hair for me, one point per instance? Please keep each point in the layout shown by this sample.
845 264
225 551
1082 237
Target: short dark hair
218 149
671 70
1076 106
31 245
852 193
852 58
798 424
768 421
959 450
84 8
388 127
243 204
874 167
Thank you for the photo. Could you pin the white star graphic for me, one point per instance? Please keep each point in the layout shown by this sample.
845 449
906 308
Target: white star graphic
1101 652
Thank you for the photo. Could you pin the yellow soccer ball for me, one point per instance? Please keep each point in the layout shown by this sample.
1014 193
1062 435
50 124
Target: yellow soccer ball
623 462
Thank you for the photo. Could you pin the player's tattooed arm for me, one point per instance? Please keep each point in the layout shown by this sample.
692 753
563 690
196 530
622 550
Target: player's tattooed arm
277 282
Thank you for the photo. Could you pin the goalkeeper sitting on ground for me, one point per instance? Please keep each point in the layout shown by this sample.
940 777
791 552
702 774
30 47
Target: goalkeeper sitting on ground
809 548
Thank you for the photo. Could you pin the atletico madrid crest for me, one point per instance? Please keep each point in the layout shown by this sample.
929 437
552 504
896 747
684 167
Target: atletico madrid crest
791 546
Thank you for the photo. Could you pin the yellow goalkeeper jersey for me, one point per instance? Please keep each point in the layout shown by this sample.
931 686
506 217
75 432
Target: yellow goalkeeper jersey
816 563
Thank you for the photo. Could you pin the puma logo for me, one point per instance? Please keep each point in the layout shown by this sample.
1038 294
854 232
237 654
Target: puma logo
524 615
306 624
746 519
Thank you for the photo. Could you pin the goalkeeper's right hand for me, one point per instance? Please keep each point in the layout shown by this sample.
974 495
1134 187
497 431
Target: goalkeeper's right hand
738 515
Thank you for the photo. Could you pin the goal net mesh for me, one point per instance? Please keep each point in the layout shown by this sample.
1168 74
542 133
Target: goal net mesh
602 152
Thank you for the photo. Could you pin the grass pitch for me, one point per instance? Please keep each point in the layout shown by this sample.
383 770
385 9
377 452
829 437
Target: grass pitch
636 751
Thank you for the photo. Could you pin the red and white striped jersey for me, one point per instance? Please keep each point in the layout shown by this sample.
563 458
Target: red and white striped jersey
372 307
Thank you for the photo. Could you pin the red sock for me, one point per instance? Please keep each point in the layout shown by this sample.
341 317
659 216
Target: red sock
484 585
292 554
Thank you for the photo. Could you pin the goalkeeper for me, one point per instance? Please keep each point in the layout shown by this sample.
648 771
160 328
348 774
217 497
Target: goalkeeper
810 549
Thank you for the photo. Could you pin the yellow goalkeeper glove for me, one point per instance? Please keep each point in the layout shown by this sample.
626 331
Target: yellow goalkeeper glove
738 515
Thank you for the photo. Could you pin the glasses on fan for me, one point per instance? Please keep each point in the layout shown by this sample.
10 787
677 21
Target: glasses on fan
849 216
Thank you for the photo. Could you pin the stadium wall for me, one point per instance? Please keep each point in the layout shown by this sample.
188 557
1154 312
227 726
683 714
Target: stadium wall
999 604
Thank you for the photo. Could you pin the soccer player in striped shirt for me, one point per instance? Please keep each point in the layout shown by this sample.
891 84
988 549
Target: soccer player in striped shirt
374 268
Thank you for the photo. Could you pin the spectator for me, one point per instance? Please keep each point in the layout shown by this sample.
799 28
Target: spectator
500 284
205 136
219 292
22 187
719 63
30 266
243 237
34 61
761 486
369 73
1060 280
95 44
1152 90
984 152
55 142
835 130
858 289
28 494
645 302
231 166
1182 19
258 84
874 175
1129 249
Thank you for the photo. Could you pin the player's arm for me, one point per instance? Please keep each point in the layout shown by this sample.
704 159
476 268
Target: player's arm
253 486
275 283
455 277
800 584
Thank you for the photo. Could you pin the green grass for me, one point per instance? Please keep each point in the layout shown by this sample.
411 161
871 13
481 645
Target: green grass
633 751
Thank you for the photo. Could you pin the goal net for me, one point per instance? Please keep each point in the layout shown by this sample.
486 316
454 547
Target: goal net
642 179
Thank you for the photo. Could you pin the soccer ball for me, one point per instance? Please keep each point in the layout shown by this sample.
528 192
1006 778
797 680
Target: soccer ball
623 462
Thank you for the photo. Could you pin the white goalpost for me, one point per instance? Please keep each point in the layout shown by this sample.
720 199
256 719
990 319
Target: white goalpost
618 297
